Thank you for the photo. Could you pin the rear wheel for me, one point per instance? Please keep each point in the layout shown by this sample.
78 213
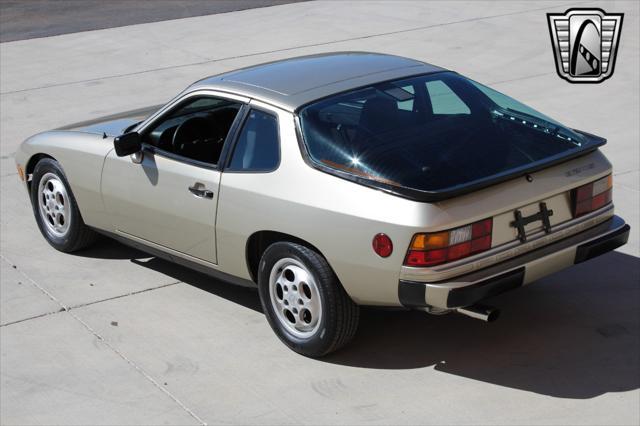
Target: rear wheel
303 300
55 209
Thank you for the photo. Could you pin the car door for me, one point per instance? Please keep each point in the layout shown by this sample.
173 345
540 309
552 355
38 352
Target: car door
166 196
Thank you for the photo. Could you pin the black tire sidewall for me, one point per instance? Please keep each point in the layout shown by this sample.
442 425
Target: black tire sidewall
67 242
323 338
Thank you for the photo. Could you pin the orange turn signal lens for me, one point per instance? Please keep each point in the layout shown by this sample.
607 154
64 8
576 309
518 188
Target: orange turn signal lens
431 249
20 172
430 241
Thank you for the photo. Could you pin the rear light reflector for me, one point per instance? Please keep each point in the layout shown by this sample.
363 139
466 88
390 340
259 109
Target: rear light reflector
592 196
436 248
382 245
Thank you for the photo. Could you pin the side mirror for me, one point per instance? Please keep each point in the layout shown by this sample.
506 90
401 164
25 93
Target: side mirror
127 144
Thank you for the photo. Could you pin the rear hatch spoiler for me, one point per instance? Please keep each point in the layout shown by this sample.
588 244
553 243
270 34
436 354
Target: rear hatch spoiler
595 142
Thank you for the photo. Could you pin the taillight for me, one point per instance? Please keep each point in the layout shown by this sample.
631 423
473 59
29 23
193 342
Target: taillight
592 196
435 248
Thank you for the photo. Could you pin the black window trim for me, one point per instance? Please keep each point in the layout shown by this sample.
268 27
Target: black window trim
182 159
236 136
176 104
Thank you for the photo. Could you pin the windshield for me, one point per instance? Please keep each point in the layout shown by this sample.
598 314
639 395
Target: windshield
431 133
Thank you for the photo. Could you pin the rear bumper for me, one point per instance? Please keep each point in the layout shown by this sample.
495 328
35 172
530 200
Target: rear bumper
470 288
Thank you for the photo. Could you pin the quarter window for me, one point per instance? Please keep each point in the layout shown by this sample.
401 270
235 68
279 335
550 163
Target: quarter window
257 148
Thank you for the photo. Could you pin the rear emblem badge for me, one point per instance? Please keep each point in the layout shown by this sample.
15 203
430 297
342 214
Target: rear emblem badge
521 221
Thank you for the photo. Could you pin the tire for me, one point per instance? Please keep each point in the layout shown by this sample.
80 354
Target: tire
303 300
56 210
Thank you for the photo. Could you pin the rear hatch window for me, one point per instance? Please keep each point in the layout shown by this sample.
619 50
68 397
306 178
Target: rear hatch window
433 136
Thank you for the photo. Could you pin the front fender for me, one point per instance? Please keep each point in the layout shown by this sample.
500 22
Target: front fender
81 156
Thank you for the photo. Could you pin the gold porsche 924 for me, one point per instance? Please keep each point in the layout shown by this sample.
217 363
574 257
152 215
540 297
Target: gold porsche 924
333 181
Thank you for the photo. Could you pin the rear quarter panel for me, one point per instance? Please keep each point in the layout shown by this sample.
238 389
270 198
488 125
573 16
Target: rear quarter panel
336 216
340 218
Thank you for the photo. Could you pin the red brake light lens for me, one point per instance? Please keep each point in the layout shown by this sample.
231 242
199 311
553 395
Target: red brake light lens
436 248
592 196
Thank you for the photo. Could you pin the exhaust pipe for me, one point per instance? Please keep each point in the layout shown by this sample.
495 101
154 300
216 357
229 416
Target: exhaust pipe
482 312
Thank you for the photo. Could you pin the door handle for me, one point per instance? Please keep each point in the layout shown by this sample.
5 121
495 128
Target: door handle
201 192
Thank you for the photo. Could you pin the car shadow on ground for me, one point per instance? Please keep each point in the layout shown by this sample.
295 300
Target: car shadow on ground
575 334
108 248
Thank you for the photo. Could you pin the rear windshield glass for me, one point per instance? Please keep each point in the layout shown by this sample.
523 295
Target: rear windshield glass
431 133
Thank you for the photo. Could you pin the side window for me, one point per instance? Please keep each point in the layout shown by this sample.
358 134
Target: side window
195 130
444 101
258 147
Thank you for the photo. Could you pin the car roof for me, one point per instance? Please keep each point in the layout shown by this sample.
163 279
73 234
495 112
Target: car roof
292 83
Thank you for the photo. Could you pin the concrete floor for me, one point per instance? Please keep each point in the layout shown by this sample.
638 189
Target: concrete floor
112 336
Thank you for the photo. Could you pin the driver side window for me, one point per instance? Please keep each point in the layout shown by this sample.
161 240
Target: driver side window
196 130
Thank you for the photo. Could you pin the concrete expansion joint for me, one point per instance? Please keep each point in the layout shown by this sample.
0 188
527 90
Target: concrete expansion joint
32 281
64 308
33 317
120 296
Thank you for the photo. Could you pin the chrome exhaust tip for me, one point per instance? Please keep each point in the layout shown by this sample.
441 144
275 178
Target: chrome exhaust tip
482 312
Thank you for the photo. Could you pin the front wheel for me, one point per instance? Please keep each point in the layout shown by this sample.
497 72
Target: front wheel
303 300
55 209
